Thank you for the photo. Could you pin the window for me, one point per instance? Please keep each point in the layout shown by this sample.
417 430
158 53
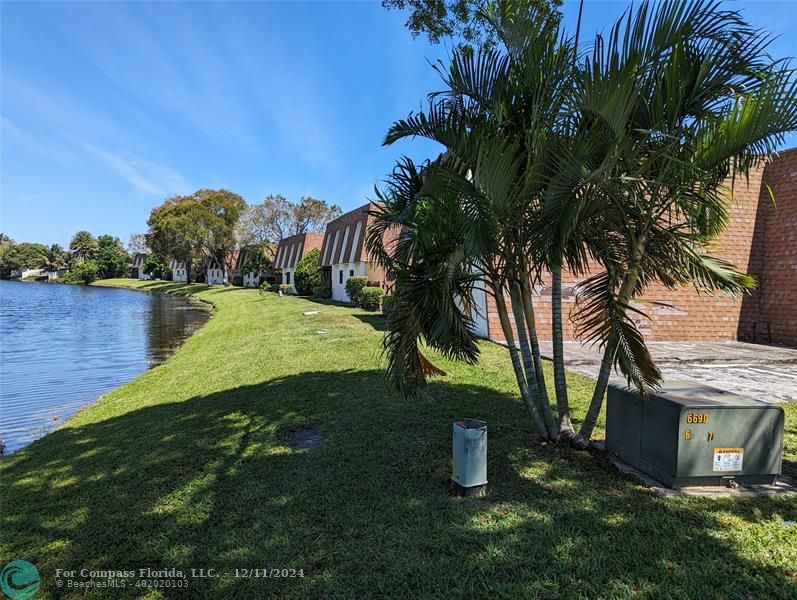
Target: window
351 272
340 280
288 277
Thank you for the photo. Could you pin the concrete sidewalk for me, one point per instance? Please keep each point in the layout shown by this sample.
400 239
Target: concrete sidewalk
767 373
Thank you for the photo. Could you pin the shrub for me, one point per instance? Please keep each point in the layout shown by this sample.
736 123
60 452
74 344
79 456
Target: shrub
354 286
388 306
371 297
319 291
308 275
286 289
83 273
266 287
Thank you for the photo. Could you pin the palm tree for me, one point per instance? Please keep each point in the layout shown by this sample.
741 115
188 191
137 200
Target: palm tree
56 258
83 246
617 162
465 216
687 101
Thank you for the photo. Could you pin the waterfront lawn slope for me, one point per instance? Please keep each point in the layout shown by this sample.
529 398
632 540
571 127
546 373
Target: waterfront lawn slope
187 467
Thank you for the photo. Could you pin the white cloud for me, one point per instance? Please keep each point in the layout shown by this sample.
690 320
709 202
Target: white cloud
149 177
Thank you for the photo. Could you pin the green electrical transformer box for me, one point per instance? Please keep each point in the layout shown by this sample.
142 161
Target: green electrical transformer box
686 434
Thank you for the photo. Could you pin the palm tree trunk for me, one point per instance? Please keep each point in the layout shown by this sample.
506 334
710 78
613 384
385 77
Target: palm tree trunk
585 433
531 324
506 326
559 376
532 365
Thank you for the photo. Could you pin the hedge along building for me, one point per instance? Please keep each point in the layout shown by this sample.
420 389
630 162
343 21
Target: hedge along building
344 255
291 250
761 239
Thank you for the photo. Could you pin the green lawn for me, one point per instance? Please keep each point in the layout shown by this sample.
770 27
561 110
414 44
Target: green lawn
187 467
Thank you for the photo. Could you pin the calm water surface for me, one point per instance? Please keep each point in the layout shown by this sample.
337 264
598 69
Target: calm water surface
63 346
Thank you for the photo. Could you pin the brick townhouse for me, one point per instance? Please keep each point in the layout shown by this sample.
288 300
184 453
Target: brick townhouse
344 255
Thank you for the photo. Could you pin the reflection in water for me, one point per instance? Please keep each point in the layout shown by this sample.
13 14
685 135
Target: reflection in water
62 346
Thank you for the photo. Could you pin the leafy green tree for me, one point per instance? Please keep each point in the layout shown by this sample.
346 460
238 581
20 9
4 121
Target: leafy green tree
308 275
220 212
156 267
24 255
57 258
550 163
83 273
83 246
177 230
257 259
111 259
464 20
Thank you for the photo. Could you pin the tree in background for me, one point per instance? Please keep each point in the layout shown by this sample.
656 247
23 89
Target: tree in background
257 259
176 230
83 246
201 226
111 259
276 218
156 267
57 258
308 275
464 20
220 211
312 215
137 244
24 255
82 273
269 221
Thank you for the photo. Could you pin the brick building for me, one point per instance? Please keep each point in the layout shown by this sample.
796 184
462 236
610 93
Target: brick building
291 250
761 240
344 255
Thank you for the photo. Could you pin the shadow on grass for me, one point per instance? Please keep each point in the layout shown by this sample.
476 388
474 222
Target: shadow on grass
377 321
210 483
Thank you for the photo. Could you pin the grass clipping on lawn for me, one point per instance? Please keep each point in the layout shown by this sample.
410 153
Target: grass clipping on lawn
187 466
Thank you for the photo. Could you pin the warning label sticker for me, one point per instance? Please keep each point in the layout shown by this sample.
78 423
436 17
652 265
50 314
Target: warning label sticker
728 459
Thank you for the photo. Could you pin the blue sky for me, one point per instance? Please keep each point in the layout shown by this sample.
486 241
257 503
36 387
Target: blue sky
109 108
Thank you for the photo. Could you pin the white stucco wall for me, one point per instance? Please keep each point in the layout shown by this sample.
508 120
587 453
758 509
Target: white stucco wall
357 269
179 274
215 276
251 280
288 276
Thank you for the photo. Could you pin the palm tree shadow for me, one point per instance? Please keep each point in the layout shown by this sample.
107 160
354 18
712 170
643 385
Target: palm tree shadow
210 482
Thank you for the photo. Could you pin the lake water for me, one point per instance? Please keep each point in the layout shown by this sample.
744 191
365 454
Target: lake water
63 346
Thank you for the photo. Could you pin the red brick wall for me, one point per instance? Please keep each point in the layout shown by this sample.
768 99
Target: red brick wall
689 315
774 305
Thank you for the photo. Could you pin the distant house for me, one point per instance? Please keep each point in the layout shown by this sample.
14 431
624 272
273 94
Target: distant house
215 275
291 250
138 266
55 274
253 279
26 273
344 255
178 269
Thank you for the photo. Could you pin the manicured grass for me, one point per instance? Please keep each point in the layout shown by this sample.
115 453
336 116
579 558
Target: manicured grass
187 467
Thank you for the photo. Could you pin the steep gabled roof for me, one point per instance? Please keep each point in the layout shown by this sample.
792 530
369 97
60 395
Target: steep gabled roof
344 240
293 248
